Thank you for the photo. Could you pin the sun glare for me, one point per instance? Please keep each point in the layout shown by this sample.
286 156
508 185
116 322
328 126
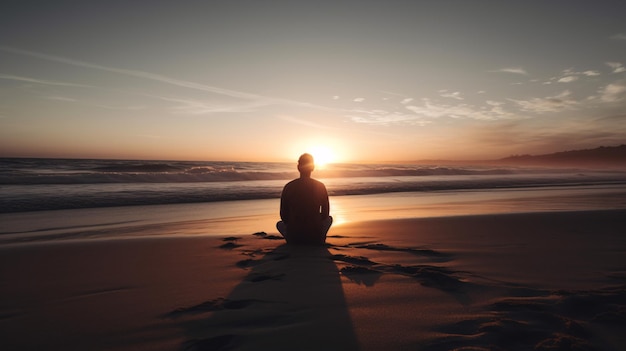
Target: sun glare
322 156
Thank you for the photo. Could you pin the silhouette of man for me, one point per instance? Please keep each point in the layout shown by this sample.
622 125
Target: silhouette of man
304 207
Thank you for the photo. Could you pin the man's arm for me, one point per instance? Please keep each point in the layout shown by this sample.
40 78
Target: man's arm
325 204
284 208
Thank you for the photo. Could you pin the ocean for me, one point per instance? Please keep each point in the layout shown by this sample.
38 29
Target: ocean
55 184
52 200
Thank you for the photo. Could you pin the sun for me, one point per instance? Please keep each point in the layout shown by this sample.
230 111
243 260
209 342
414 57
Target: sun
322 155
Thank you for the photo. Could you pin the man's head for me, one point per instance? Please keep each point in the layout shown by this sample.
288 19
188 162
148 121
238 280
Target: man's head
306 165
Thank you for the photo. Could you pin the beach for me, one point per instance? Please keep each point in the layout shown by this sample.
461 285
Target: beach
524 277
469 158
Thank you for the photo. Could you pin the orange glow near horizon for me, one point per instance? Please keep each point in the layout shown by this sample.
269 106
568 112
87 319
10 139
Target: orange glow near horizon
324 151
322 155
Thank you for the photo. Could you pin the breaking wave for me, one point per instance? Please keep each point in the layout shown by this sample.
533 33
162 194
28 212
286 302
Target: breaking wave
45 184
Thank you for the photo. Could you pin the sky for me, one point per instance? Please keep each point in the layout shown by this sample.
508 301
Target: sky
353 81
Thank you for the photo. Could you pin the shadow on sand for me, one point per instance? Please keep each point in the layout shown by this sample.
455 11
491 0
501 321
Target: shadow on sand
362 270
292 298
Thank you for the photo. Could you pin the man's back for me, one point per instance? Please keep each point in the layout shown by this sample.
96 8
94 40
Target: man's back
303 207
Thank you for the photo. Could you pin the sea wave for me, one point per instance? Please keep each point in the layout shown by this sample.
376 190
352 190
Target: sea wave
48 184
39 197
30 172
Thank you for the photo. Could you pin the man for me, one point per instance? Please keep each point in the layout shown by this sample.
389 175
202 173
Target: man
304 207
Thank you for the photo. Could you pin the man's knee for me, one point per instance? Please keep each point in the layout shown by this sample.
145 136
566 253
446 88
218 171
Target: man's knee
326 223
282 228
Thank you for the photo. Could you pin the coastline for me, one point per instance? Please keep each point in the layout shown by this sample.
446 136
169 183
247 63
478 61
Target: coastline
249 216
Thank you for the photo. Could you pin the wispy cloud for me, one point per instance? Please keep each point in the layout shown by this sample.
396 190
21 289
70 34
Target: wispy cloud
61 98
556 103
613 93
432 109
591 73
200 107
570 75
42 81
568 79
619 36
616 66
426 111
133 73
515 70
384 117
359 99
258 100
121 108
451 95
108 107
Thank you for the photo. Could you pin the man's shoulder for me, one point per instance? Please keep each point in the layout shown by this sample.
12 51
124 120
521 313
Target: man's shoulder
304 182
292 182
318 183
291 186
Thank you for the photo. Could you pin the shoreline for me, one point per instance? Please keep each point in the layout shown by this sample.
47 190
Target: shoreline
249 216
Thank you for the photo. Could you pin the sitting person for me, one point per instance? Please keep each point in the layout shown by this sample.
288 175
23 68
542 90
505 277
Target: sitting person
304 207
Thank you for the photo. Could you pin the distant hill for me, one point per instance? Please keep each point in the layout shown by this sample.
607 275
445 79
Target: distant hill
611 156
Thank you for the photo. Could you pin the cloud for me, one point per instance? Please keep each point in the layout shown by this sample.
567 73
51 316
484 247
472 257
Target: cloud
619 36
570 75
616 66
336 97
42 81
591 73
122 108
61 98
568 79
433 110
359 99
556 103
406 101
134 73
383 117
425 111
258 100
515 70
200 107
454 95
613 92
108 107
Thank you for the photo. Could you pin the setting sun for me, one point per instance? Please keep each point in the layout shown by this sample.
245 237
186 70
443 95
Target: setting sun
322 155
